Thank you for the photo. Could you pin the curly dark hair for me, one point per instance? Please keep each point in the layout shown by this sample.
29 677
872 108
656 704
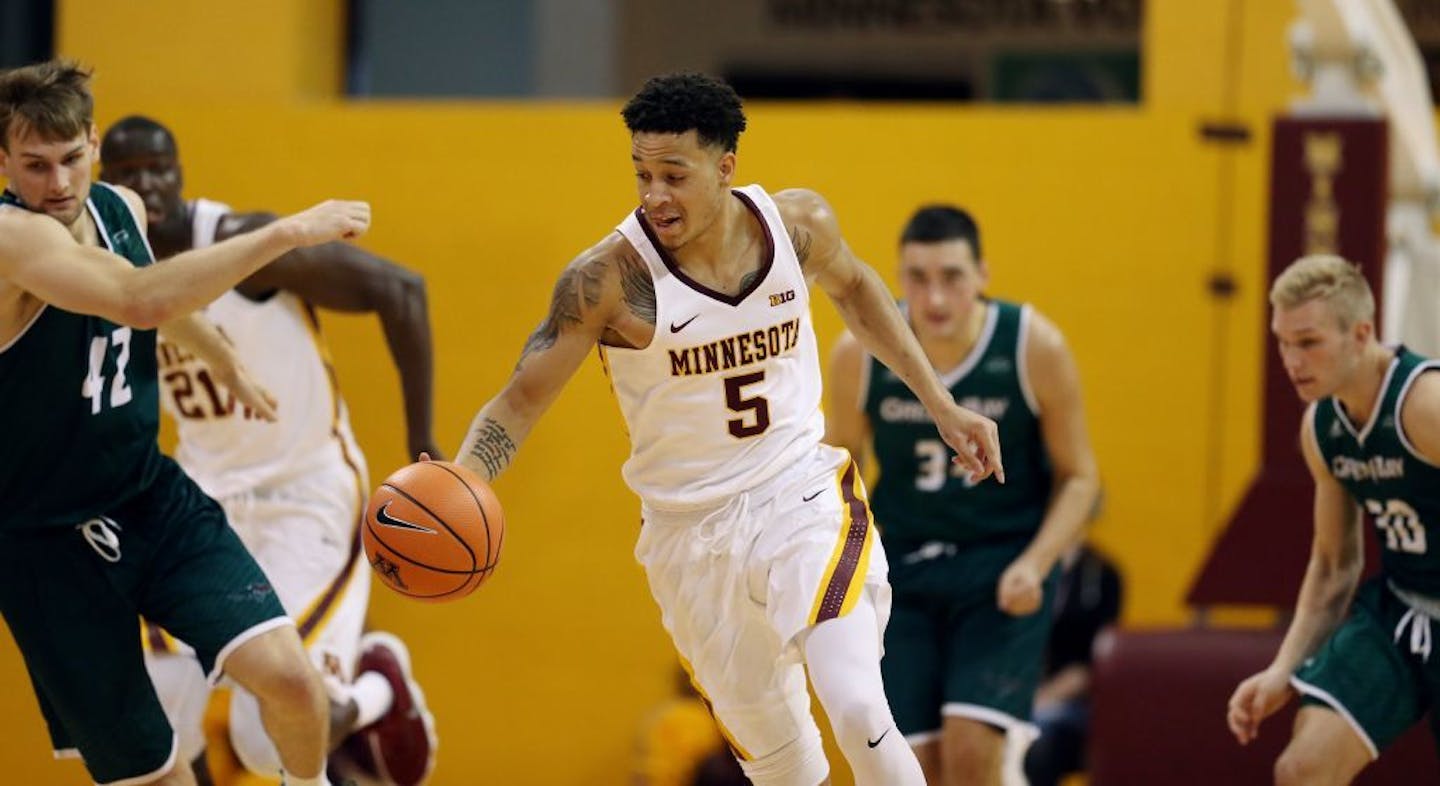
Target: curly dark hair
676 103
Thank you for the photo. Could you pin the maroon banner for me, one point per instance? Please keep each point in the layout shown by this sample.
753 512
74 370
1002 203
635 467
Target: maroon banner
1328 184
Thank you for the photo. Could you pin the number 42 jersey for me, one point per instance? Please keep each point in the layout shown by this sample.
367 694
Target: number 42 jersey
79 393
728 392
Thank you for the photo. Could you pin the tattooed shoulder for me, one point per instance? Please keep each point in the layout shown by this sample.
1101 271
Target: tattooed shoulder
579 287
636 285
800 240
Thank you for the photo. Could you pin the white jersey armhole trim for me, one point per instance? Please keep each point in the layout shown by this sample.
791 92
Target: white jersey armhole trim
1400 407
1022 364
144 238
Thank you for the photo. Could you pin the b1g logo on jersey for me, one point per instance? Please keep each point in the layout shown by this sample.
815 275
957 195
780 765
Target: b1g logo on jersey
781 298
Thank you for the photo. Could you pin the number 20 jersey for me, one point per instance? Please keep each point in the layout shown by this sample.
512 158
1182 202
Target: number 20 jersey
728 392
1396 489
228 450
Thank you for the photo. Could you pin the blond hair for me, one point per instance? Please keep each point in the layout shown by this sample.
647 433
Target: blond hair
1330 278
51 100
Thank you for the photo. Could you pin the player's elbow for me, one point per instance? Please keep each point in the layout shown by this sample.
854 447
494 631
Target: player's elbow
145 309
404 292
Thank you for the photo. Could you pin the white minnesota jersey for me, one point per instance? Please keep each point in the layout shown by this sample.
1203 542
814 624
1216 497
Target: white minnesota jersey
728 392
223 445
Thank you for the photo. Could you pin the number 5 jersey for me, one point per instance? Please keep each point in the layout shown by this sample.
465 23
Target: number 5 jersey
727 393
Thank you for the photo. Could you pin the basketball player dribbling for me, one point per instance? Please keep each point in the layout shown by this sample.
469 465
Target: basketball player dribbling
757 539
97 525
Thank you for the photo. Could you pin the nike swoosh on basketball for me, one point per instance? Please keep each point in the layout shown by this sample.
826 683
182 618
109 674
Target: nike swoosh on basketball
877 739
674 328
812 496
382 516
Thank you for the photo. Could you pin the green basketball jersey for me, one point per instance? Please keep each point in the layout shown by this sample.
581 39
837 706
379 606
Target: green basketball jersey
81 399
921 496
1396 488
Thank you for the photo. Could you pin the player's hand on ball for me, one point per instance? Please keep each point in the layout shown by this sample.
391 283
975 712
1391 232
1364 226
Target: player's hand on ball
333 219
1256 699
975 440
1020 591
247 391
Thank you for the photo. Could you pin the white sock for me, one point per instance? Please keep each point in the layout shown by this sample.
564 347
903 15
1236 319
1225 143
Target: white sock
372 696
296 780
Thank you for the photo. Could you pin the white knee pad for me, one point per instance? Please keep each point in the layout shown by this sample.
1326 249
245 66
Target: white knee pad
247 734
800 762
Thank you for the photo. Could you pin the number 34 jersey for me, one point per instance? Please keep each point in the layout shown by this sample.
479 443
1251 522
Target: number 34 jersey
79 391
728 392
1397 489
921 496
223 445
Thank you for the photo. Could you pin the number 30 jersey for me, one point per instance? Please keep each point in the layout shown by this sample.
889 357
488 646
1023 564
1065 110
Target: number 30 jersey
225 447
1396 489
728 392
79 390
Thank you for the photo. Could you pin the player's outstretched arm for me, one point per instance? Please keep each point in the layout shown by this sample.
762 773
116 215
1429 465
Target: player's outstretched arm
1056 381
199 336
38 255
342 277
846 425
1337 557
871 314
587 295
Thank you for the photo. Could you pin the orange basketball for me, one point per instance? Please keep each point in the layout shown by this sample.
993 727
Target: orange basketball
433 531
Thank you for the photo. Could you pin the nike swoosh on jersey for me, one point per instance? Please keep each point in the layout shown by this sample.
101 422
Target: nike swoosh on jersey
382 516
674 328
877 739
812 496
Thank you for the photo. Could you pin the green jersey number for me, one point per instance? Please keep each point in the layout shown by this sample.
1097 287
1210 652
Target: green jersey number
94 386
1401 524
936 467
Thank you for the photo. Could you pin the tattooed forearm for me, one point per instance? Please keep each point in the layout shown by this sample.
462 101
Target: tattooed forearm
800 240
638 288
580 282
493 447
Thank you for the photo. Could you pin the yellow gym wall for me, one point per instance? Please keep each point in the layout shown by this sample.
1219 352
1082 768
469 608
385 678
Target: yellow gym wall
1110 220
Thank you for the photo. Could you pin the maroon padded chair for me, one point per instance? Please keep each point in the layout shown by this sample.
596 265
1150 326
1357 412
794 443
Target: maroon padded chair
1158 715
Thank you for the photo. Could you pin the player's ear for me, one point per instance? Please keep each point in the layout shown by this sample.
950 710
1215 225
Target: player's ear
727 166
93 141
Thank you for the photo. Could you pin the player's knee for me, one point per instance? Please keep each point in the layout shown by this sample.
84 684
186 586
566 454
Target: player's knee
798 763
971 752
1300 766
293 683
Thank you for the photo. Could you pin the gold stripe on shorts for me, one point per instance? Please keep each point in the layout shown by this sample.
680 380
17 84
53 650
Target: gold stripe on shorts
845 575
740 752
